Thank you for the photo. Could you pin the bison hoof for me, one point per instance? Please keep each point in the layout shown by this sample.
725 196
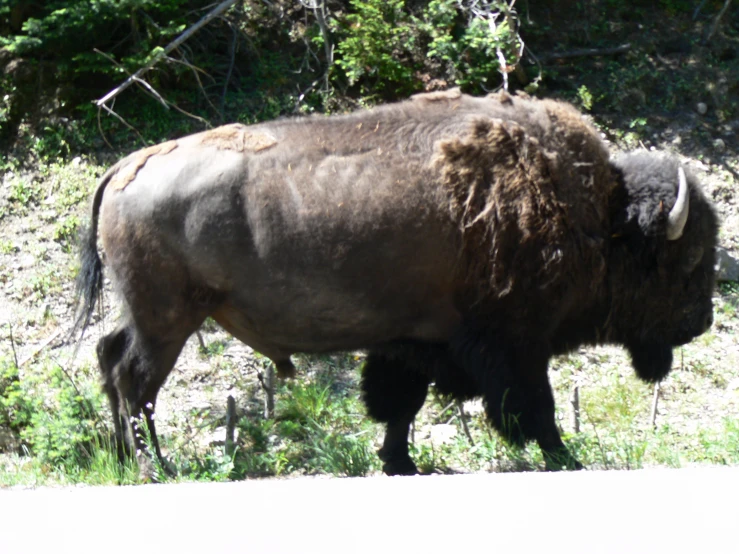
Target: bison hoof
401 466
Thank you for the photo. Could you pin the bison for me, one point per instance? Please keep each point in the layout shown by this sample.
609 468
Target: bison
459 240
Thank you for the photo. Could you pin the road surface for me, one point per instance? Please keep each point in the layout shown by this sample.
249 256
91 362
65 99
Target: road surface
589 512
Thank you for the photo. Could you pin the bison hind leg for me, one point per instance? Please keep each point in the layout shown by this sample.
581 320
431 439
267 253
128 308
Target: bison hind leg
111 350
134 367
394 388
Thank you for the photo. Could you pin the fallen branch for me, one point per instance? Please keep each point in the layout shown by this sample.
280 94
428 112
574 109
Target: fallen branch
215 12
38 349
586 52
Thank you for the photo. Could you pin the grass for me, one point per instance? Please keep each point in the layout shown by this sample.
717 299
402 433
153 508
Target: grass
320 426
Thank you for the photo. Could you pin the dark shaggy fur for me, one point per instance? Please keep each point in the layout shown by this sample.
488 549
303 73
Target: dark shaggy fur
461 241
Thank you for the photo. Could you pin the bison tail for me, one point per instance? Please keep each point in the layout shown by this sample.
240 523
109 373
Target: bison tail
89 283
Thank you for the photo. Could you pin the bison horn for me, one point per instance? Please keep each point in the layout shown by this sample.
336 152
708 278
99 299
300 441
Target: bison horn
679 213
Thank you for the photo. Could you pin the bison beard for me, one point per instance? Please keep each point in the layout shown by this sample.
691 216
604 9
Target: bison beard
461 241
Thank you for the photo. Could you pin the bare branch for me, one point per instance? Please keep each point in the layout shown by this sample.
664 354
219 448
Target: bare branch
717 21
655 400
463 419
585 52
188 114
126 123
319 9
38 349
218 10
196 73
12 345
234 42
153 92
697 11
575 404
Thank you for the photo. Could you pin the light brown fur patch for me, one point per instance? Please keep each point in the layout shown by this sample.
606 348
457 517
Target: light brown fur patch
131 165
504 198
237 137
451 94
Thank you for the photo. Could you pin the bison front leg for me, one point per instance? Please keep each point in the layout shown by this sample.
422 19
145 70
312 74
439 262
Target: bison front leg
513 382
522 407
393 393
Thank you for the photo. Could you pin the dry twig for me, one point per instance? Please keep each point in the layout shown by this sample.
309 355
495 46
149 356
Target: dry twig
697 11
717 21
12 345
463 419
230 425
585 52
38 349
655 399
136 77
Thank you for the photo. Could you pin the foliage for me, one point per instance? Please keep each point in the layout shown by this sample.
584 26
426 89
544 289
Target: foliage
56 420
68 30
468 39
315 431
16 408
386 48
375 47
586 97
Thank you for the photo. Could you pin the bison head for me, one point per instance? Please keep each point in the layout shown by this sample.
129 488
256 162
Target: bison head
662 260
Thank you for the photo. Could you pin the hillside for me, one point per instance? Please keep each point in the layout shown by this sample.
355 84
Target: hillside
670 89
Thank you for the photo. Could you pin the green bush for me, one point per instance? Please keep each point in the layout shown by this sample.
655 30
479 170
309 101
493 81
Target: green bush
376 45
467 42
386 49
67 31
57 421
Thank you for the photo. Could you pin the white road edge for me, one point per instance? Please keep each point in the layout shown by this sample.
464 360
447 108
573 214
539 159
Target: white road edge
625 512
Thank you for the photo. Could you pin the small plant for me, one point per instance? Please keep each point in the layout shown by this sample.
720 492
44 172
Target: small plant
585 97
16 407
6 247
65 232
24 195
56 419
426 457
349 456
215 347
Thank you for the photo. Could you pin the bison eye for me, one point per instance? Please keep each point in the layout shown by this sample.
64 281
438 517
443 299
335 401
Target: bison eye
693 258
